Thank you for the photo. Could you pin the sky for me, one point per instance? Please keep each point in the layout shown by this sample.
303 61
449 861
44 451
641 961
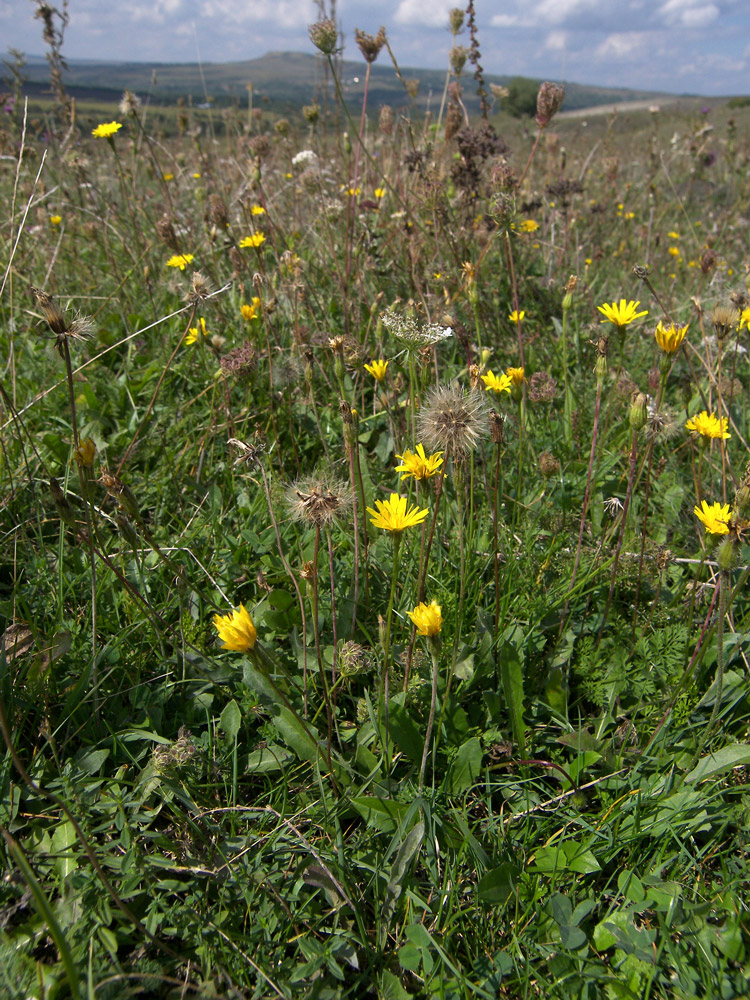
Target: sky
678 46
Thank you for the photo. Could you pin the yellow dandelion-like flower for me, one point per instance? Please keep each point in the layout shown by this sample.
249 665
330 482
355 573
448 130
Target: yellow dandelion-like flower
377 369
673 235
621 313
714 517
180 260
168 177
515 375
106 130
236 630
250 312
197 175
393 516
674 251
418 464
516 316
669 338
55 220
529 226
195 331
427 617
253 241
379 193
709 425
257 210
496 383
745 319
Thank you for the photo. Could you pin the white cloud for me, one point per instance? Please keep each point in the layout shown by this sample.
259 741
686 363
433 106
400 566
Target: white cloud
431 15
556 41
622 45
689 13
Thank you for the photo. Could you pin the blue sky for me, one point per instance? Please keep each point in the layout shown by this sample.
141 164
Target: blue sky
681 46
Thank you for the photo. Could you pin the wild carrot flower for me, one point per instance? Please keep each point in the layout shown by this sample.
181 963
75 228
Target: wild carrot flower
516 316
377 369
236 630
428 618
106 130
413 334
250 312
453 420
393 516
669 338
622 313
708 425
195 331
418 464
253 241
714 517
180 260
496 383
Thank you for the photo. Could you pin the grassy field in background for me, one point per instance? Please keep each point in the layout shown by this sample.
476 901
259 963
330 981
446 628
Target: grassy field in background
359 635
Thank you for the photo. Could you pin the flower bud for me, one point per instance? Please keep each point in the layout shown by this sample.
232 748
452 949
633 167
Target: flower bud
726 554
638 411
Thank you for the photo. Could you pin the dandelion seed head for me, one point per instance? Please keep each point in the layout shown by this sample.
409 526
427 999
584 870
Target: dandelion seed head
453 420
318 501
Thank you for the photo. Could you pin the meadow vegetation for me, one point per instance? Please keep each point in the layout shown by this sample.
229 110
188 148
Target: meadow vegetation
373 581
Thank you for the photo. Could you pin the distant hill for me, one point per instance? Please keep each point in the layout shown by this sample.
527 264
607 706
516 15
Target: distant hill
281 79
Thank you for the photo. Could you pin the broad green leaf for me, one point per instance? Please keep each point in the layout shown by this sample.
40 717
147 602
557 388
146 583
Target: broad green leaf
230 720
386 814
720 762
268 759
404 730
499 885
465 768
399 870
511 673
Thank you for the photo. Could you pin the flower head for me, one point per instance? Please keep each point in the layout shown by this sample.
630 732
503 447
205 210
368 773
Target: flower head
714 517
621 313
453 420
180 260
106 130
745 319
253 241
516 316
377 369
412 333
529 226
515 375
55 220
250 312
319 501
496 383
195 331
393 516
257 210
427 617
709 425
236 630
418 464
669 338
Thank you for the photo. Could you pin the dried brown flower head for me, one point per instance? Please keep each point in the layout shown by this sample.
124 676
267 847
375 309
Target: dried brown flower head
324 35
548 102
385 119
453 420
319 501
724 321
370 45
548 465
542 388
166 233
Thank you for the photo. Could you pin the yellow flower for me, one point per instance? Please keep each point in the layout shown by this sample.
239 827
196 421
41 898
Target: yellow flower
709 425
428 618
393 516
714 518
168 177
257 210
673 236
55 220
353 191
236 630
84 453
250 312
418 464
197 175
674 251
515 375
669 338
377 369
253 241
106 130
529 226
745 319
194 332
495 383
180 260
621 314
516 316
379 193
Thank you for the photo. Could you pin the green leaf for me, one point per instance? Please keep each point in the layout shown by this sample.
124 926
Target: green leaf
631 886
390 988
399 870
404 730
499 885
719 762
268 759
386 814
230 720
466 767
511 673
